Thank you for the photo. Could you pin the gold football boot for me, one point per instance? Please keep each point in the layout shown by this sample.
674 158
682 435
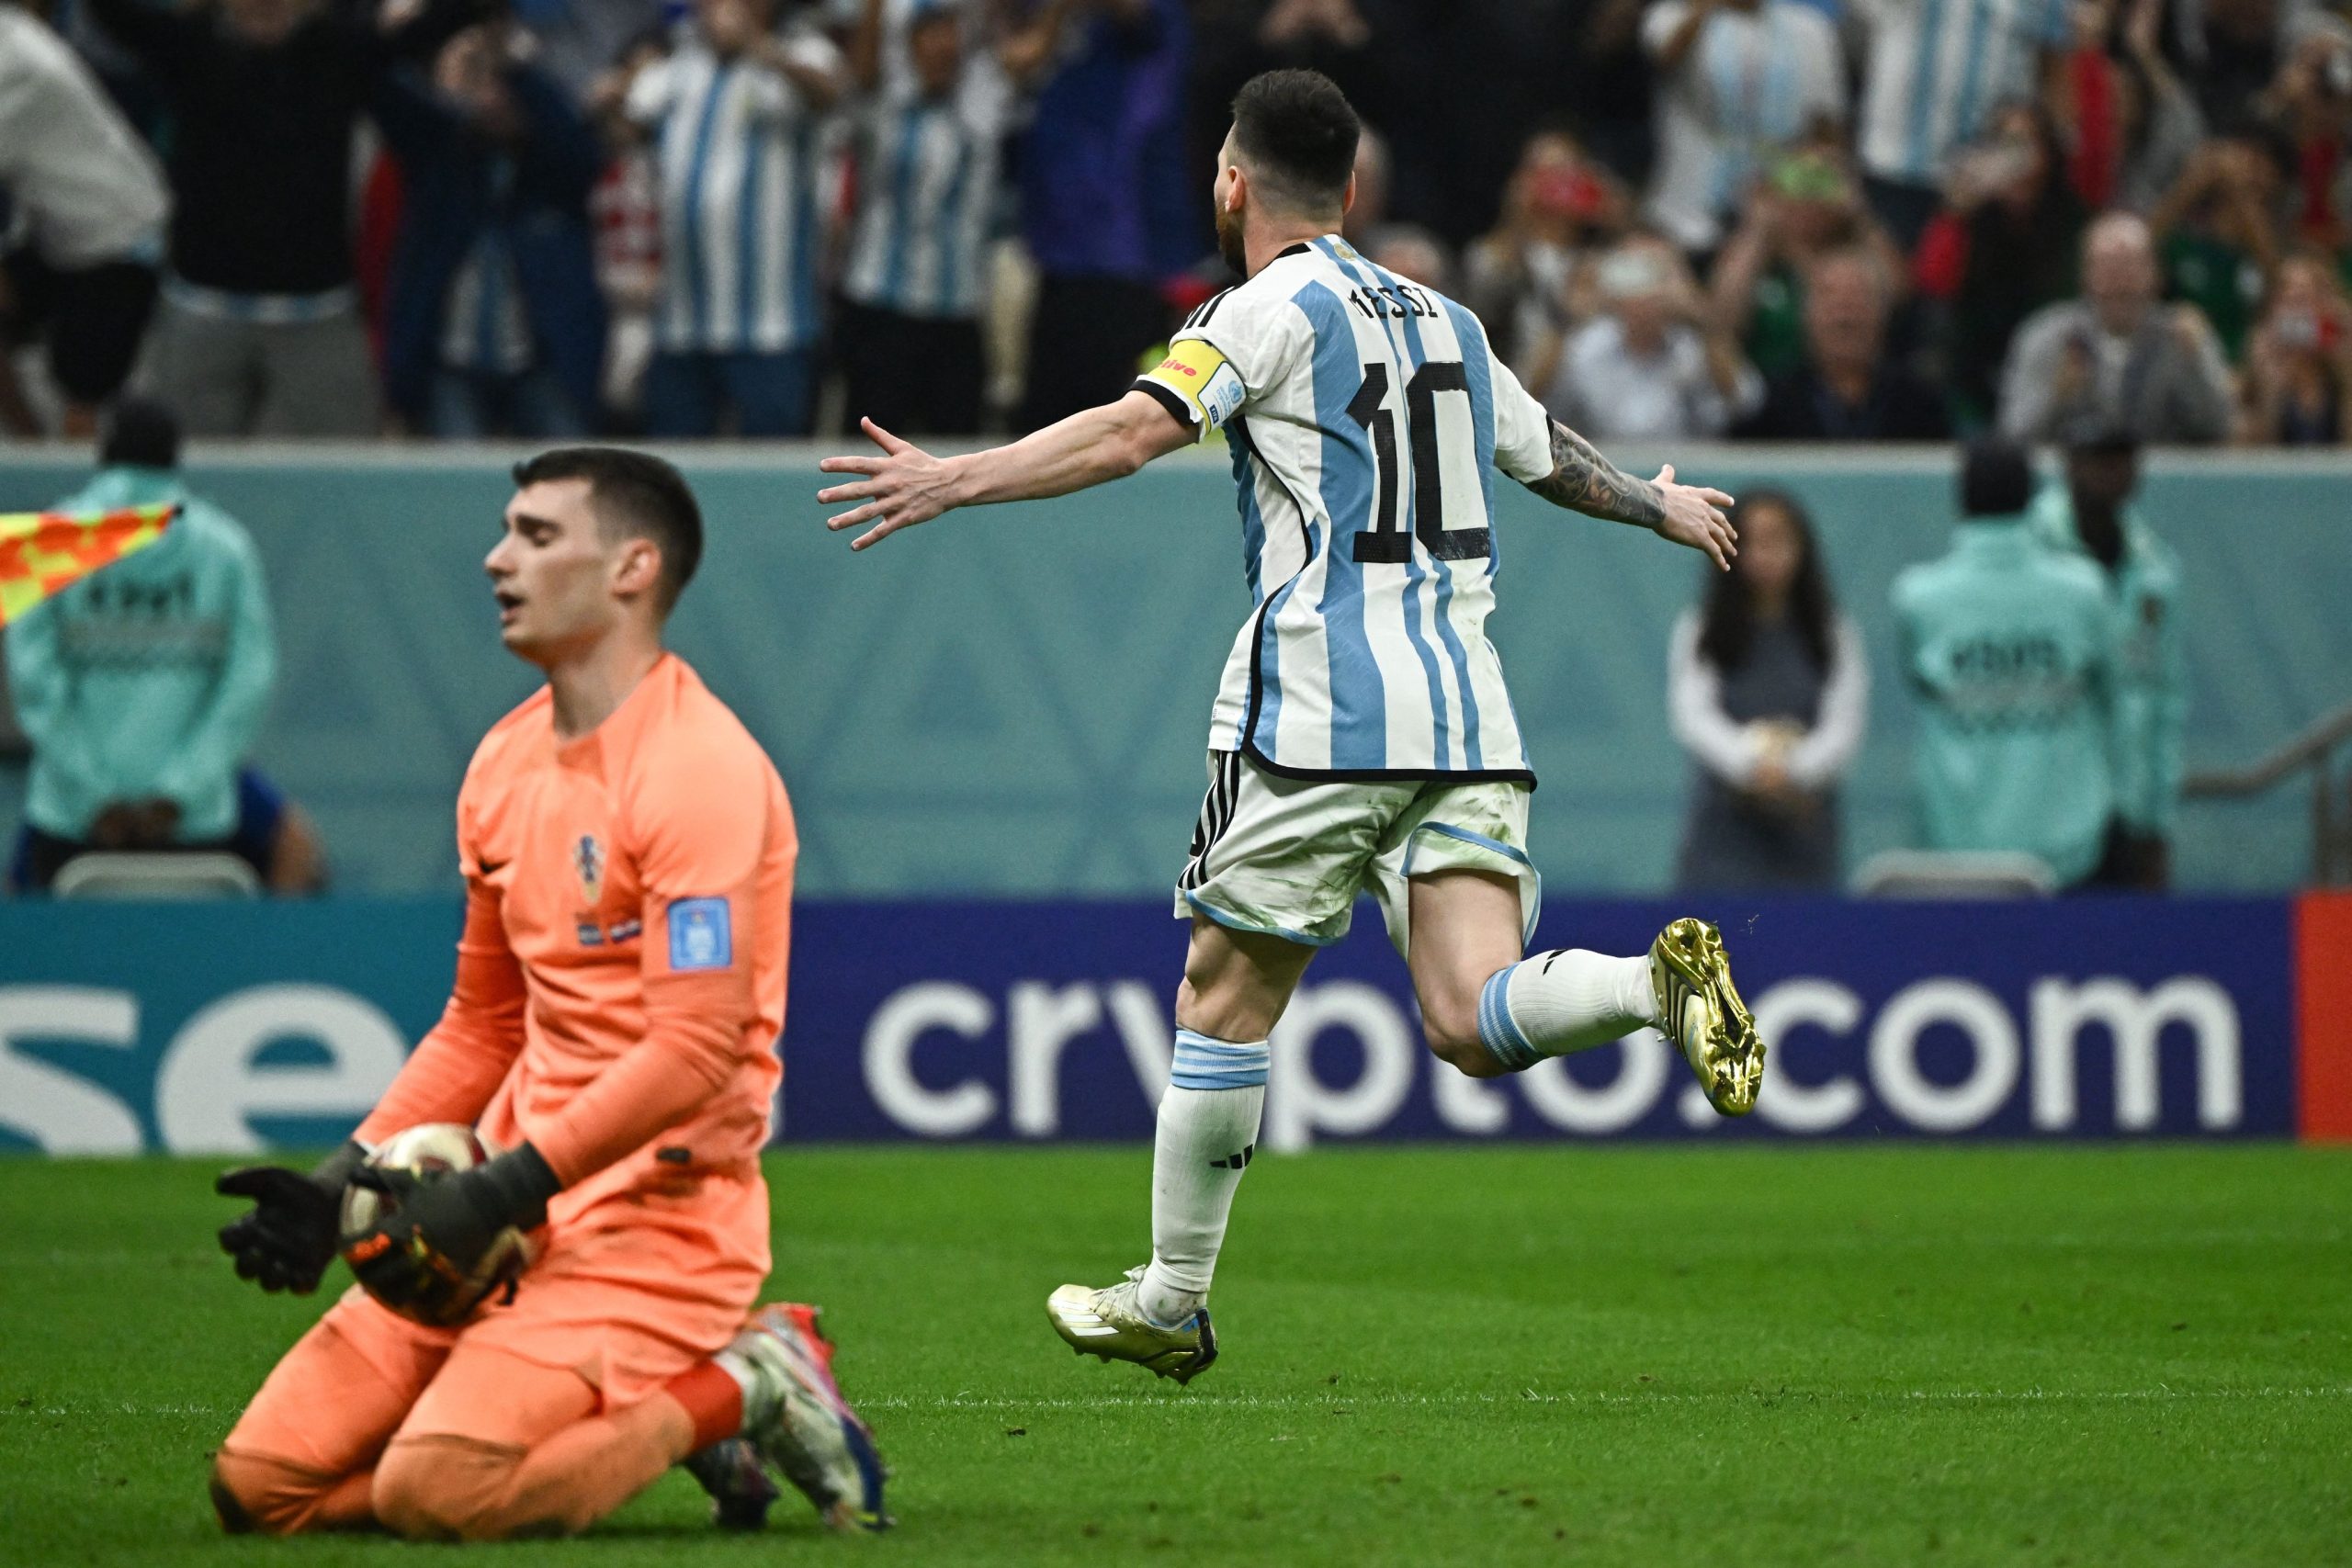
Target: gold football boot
1109 1323
1700 1009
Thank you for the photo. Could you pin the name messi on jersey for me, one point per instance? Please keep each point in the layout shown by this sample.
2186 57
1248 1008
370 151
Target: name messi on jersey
1393 299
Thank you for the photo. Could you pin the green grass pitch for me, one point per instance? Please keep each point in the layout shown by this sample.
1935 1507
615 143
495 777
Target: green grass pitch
1812 1356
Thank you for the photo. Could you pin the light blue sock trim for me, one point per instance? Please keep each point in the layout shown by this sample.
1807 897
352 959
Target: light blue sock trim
1204 1062
1498 1030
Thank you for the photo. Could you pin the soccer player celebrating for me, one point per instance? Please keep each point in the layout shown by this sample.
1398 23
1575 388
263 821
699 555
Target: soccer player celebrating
1361 739
627 851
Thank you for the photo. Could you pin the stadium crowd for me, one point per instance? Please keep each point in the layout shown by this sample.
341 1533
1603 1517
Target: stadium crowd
1787 220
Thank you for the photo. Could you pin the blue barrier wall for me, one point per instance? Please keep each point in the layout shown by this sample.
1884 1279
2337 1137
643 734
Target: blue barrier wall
200 1029
1014 702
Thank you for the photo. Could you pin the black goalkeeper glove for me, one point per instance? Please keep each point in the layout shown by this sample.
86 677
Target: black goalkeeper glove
437 1231
287 1239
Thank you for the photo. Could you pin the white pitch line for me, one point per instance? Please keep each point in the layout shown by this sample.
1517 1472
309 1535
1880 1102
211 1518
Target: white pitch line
1205 1402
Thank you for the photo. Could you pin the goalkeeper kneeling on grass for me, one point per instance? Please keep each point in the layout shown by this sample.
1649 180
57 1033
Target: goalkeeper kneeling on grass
628 853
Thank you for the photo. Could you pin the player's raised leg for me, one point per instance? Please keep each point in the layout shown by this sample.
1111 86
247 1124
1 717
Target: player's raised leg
1236 986
1488 1011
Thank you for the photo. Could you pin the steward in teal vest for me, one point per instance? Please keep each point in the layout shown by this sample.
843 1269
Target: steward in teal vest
2089 517
2010 649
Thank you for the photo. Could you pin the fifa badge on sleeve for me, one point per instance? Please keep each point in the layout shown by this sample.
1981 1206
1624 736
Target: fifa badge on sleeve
700 935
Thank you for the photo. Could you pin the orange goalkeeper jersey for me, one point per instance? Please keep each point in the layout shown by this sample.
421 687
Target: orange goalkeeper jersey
621 978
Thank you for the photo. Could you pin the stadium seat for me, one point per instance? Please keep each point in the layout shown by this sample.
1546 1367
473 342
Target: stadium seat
1954 874
111 874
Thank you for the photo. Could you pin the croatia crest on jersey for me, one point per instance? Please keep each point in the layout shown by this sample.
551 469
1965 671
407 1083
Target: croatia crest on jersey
588 860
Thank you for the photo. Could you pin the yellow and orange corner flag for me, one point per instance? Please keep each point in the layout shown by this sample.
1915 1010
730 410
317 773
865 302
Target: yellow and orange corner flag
41 552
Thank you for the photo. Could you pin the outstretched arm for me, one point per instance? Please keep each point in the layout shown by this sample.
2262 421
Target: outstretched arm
1583 480
907 485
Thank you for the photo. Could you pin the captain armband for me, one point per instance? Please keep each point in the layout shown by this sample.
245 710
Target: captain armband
1196 384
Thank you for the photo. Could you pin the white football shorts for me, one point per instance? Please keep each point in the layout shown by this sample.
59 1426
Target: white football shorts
1288 857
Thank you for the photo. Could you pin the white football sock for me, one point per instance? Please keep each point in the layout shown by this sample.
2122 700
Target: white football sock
1208 1130
1552 1003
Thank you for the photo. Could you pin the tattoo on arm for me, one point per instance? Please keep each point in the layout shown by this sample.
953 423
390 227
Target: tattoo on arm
1583 480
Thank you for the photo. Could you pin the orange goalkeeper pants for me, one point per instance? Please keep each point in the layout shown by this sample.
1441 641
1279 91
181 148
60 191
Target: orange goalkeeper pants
538 1418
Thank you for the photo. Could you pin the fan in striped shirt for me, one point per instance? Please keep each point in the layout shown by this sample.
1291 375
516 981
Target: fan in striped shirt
737 111
926 150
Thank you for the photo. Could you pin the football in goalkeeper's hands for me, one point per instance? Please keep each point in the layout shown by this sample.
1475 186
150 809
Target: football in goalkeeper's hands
430 1288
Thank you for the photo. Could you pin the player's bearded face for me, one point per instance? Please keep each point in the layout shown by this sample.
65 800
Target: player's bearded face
552 573
1228 216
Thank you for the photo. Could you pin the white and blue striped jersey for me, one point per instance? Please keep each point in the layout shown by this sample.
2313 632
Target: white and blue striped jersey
926 184
1753 81
1367 416
1936 70
741 167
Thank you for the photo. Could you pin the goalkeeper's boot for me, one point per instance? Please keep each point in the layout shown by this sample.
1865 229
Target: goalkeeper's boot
795 1415
1109 1323
1700 1009
741 1492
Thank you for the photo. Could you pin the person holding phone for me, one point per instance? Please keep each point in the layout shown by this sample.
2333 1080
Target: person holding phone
2299 362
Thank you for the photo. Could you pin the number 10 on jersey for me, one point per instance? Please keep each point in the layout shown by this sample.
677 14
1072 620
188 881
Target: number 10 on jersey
1389 540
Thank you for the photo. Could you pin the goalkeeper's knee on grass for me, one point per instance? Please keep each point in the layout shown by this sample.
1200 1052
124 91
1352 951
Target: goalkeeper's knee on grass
253 1496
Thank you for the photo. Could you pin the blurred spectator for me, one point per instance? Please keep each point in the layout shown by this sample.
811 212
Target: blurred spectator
737 109
2130 126
625 209
1769 692
142 687
1738 78
2004 248
2298 365
1519 275
2236 50
1808 205
880 55
2117 356
260 331
1321 33
2312 104
1413 253
497 167
1233 40
2217 232
89 199
1471 79
2091 514
1616 90
1458 83
1103 205
2008 648
1238 38
927 172
1654 365
1934 77
579 40
1848 386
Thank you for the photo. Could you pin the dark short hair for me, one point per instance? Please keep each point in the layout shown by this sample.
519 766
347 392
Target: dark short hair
140 433
637 496
1996 478
1298 132
2099 435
